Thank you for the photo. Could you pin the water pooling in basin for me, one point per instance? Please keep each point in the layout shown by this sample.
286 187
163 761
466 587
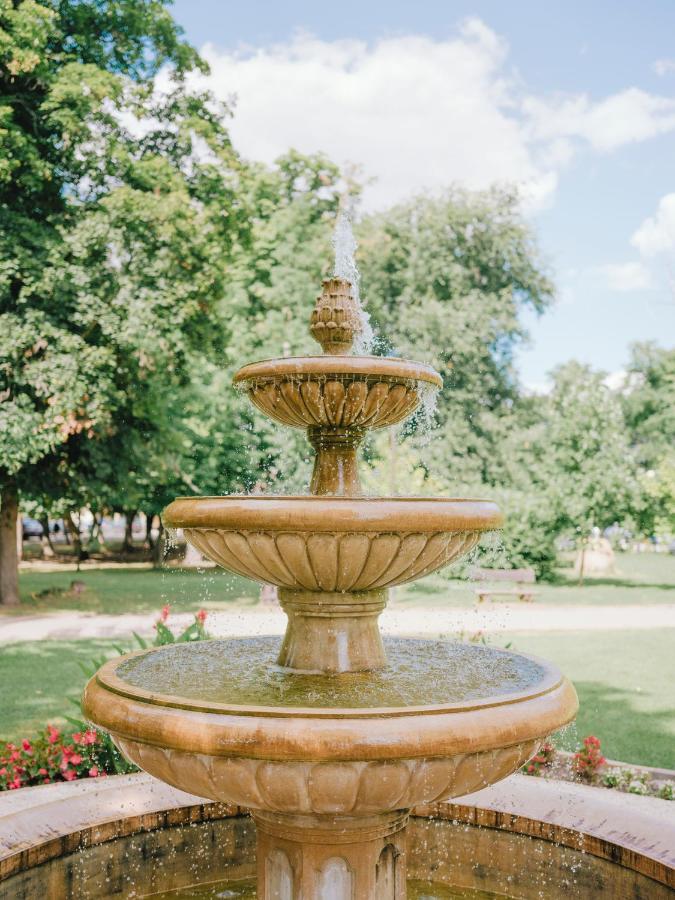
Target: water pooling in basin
241 672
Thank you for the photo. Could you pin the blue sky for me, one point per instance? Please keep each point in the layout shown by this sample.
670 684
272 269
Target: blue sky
573 101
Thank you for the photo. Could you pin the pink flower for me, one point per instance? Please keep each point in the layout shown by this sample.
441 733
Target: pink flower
26 745
201 616
164 615
89 737
53 734
75 759
93 772
70 775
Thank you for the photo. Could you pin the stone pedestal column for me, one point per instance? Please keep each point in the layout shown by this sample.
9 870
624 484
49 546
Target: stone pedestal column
336 470
331 857
332 632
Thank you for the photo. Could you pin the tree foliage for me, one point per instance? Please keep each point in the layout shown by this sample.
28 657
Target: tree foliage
447 278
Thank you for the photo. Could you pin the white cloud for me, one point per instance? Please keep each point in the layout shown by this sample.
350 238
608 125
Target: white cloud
418 114
627 117
664 66
657 233
628 276
414 112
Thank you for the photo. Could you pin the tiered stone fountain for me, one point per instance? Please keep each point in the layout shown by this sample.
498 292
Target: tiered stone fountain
332 744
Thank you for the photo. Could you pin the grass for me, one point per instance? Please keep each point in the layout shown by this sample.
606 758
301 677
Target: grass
624 681
639 578
131 589
37 679
646 578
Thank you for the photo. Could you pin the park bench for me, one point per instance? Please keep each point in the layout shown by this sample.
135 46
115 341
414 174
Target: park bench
519 578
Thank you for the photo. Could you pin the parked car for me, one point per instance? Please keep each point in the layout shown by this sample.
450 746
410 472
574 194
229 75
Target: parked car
31 528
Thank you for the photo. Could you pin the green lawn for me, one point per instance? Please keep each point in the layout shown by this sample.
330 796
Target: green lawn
130 589
646 578
639 578
37 679
626 686
624 680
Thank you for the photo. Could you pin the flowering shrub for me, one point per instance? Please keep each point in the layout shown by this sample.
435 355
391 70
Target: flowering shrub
588 760
194 632
50 756
542 760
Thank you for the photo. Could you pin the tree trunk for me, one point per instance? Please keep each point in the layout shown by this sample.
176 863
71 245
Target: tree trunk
74 529
48 551
158 547
582 560
127 544
9 557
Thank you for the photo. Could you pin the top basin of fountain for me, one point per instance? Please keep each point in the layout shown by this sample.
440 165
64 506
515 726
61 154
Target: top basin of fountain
337 391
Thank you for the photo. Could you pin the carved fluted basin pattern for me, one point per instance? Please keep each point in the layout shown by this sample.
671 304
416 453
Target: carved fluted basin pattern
332 543
333 403
337 392
328 788
331 562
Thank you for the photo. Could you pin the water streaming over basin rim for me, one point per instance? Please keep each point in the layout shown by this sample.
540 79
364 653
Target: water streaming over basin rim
239 673
373 367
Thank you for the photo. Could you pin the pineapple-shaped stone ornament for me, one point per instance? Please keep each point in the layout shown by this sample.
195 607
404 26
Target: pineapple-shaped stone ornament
336 319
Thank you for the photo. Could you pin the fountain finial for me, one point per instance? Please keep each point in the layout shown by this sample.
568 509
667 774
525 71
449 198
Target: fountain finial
336 319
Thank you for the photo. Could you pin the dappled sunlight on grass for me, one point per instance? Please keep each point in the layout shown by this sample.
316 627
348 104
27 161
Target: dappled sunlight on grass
625 684
39 677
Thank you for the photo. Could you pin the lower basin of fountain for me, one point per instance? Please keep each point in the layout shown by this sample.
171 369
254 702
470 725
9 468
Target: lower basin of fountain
220 720
330 765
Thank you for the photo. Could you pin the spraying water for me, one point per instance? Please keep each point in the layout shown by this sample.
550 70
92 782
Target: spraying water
344 244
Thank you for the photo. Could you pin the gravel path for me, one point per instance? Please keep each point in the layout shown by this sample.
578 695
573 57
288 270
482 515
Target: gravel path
70 625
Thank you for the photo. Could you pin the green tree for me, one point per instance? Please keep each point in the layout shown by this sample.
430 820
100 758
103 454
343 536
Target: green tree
650 414
445 280
117 202
580 457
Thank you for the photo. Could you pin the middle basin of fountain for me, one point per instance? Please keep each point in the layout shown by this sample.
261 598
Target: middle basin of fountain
219 720
332 543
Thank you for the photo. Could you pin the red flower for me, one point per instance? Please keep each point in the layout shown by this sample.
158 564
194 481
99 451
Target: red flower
70 775
89 737
93 772
164 615
26 745
201 616
75 759
53 734
42 771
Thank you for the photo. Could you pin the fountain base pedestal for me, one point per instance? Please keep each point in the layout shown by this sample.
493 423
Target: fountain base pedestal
332 632
331 857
